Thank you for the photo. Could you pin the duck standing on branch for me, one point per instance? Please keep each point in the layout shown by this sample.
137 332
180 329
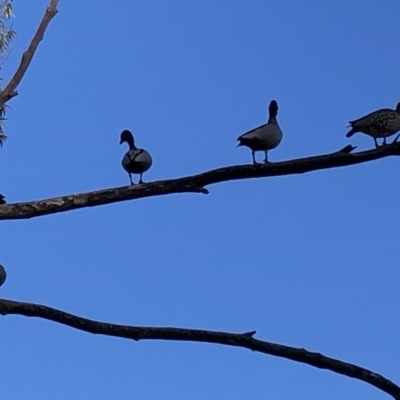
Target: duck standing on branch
378 124
265 137
135 161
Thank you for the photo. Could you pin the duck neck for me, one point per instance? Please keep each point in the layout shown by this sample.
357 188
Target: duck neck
131 144
272 119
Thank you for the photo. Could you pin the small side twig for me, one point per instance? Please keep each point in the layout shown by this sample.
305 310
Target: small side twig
200 189
249 334
347 149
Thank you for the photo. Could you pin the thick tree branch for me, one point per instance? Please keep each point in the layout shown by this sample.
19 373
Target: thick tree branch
10 90
244 340
194 183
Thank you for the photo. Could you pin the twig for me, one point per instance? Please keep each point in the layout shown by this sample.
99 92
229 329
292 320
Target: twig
347 149
10 90
194 183
244 340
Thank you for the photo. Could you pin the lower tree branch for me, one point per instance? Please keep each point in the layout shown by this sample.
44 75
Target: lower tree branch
244 340
10 90
195 183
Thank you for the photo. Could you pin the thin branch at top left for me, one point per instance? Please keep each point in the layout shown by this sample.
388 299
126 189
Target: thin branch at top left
10 90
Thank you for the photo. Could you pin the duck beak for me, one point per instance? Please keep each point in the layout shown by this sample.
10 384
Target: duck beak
120 142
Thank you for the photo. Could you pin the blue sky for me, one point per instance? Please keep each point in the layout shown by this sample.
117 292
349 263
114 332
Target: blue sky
308 261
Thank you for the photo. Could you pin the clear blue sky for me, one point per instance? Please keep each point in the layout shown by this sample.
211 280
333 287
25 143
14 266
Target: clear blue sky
309 261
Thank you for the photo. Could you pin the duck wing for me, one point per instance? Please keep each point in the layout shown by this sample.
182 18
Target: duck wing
134 155
252 134
367 119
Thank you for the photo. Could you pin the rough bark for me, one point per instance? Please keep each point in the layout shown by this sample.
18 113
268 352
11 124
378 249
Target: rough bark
194 183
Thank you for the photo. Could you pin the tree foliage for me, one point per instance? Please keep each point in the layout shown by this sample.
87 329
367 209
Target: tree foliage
7 34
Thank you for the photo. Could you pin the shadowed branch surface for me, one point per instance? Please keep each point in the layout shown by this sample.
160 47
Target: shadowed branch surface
244 340
10 90
194 183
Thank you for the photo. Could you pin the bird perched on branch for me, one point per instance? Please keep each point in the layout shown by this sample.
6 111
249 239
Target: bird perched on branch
264 138
378 124
2 199
135 161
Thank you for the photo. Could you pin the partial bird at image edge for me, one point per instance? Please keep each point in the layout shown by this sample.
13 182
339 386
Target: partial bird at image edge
377 124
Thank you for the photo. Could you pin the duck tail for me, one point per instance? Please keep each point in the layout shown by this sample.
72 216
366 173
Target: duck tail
351 132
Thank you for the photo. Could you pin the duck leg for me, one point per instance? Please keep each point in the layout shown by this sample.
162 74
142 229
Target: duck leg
384 141
253 153
141 180
266 157
376 143
130 177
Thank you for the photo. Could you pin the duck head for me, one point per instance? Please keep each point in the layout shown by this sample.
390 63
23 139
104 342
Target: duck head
273 107
126 136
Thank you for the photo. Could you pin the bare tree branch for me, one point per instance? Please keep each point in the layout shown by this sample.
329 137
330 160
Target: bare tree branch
10 90
244 340
194 183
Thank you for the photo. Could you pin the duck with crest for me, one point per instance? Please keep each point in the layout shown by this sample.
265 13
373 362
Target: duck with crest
378 124
264 138
135 161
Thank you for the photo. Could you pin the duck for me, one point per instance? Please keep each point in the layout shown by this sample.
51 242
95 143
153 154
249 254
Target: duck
2 199
265 137
135 161
3 275
377 124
